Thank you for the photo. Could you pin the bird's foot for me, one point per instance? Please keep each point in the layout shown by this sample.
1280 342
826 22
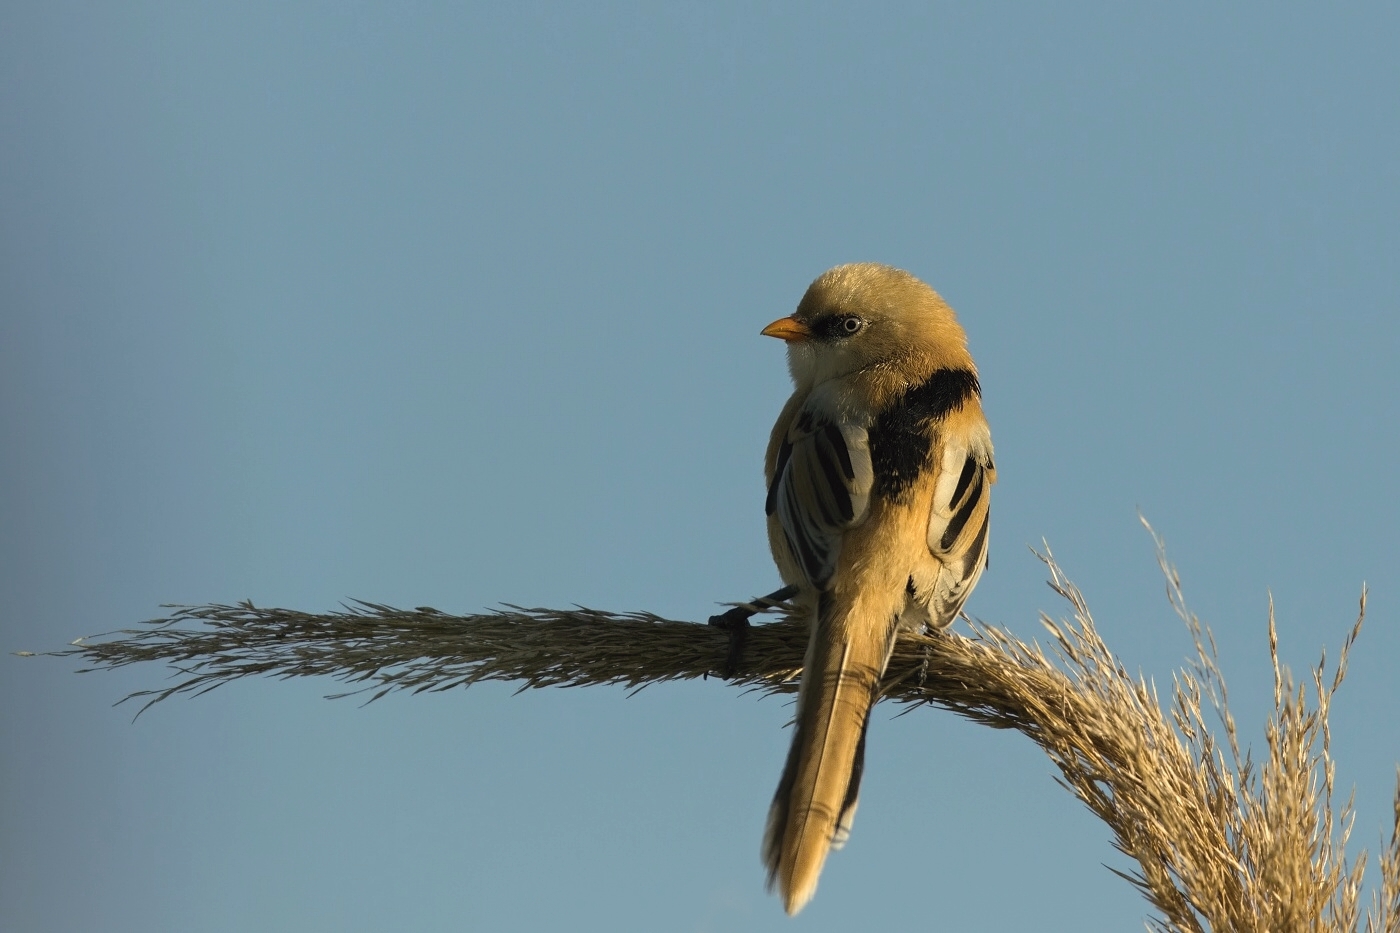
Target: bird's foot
736 623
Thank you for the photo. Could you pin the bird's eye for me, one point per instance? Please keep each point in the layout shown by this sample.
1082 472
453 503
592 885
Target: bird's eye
851 324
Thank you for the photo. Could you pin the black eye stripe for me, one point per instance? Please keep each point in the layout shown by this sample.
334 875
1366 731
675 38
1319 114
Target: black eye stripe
837 326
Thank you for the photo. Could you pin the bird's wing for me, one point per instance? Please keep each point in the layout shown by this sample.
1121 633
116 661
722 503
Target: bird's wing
820 486
957 527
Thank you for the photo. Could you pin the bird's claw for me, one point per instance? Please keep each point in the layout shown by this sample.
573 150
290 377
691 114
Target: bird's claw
736 623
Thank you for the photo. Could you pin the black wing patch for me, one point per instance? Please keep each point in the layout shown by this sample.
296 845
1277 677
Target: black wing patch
957 532
965 502
900 439
821 486
784 452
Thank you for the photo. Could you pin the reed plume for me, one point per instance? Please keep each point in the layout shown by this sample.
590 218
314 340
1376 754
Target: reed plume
1222 841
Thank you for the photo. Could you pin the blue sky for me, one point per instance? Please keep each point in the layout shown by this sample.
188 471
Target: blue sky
454 305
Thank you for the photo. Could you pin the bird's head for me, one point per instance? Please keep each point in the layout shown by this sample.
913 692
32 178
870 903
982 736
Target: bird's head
870 317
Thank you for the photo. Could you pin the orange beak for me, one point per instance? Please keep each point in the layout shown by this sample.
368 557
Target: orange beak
789 329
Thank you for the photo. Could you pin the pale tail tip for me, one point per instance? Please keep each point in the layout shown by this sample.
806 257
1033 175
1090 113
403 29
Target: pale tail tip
794 899
797 898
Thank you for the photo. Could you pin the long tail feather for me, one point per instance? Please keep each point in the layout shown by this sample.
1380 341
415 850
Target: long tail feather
816 799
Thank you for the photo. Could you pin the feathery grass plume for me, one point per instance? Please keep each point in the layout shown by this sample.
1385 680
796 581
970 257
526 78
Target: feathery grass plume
1222 842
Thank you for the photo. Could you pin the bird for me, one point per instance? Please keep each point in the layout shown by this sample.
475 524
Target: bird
879 473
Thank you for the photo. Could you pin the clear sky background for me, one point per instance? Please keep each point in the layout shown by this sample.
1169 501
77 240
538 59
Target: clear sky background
454 305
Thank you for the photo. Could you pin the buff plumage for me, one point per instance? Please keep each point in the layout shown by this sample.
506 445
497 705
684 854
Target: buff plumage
879 475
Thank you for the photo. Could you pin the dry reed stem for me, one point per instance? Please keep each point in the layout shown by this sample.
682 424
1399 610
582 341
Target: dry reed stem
1222 842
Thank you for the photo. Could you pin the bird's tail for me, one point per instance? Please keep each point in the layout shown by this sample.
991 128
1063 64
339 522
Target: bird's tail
816 799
